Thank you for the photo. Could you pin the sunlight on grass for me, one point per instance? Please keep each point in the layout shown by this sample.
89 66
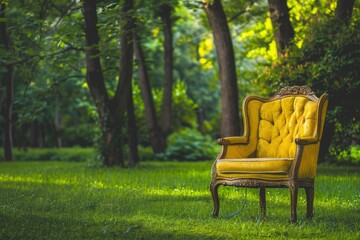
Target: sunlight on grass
9 178
163 200
35 179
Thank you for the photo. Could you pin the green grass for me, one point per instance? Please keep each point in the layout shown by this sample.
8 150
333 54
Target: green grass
163 200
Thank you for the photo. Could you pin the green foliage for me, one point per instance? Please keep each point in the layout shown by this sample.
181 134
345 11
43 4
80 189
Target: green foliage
46 45
80 135
350 156
157 200
195 83
183 108
328 62
40 102
145 153
73 154
189 145
355 153
253 39
195 61
183 113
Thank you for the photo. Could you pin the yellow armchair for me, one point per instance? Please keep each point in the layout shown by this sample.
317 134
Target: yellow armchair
279 147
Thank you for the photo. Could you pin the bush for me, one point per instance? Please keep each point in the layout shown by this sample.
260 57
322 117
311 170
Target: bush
189 145
350 156
53 154
145 153
81 135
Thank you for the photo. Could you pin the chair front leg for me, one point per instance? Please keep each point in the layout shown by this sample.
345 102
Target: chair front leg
215 196
309 202
262 201
293 196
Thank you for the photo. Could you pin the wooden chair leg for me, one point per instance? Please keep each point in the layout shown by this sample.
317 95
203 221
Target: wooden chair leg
309 202
215 196
262 202
293 197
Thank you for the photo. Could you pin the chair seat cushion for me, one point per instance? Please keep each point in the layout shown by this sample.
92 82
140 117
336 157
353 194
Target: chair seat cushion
253 166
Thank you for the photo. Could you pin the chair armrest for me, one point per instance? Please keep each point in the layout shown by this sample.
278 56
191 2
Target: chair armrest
242 140
306 140
306 151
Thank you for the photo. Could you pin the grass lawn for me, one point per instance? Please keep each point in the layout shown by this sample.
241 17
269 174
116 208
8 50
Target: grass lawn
164 200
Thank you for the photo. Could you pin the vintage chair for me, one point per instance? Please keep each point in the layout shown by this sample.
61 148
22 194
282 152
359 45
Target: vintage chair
279 147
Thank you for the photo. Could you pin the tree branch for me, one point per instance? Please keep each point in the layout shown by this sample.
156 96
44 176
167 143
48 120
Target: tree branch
40 57
241 12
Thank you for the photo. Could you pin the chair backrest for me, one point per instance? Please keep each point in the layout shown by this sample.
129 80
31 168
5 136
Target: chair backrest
276 122
281 121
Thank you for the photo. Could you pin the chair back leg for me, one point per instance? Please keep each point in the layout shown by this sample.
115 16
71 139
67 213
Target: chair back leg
309 202
262 202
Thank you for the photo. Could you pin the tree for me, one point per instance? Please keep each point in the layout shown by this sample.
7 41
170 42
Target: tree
125 76
230 121
165 15
157 138
111 112
344 10
283 30
158 134
132 131
6 86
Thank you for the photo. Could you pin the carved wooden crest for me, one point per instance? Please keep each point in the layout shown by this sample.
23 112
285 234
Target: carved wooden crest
295 90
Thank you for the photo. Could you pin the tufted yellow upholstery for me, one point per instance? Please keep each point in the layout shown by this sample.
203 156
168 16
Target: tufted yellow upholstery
280 143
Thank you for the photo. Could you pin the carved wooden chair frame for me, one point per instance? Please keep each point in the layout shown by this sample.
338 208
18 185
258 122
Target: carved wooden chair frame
292 182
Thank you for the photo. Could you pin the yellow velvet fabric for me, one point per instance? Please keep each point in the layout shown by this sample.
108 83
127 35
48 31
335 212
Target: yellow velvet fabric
271 128
254 165
244 151
282 121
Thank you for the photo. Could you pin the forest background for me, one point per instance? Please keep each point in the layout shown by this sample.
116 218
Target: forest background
120 82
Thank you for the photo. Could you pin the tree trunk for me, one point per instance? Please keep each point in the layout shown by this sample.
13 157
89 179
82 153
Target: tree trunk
41 136
37 135
111 146
165 14
111 112
7 113
7 82
344 10
23 142
230 121
283 30
57 123
122 100
33 135
94 76
200 117
156 136
132 132
122 93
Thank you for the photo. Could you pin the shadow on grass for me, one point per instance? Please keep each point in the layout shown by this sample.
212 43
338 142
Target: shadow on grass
31 226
